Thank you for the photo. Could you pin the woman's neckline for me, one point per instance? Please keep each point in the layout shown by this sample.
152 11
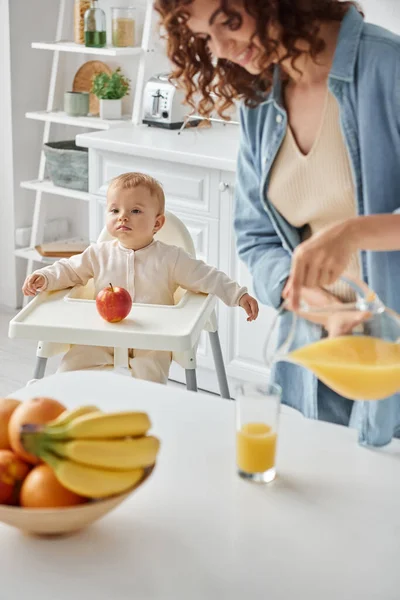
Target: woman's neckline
299 151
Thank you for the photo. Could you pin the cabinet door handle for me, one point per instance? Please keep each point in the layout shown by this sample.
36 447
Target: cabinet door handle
223 186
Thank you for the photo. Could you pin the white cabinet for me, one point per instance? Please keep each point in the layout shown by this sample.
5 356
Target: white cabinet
243 342
186 187
202 197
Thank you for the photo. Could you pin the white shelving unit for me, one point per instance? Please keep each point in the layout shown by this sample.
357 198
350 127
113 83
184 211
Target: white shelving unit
51 116
47 187
65 46
33 254
59 116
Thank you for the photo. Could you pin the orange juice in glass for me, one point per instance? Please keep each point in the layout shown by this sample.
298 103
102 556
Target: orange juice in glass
257 417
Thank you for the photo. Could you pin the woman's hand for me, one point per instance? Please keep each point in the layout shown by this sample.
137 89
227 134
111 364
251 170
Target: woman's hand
250 305
336 323
320 260
343 323
314 298
33 284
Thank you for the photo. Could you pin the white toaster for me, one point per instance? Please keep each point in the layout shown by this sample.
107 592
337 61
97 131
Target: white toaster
163 103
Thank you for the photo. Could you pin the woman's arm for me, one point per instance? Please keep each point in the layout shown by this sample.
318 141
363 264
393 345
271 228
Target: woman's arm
379 233
257 242
322 259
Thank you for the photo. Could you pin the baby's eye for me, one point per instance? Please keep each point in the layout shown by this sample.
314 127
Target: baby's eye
114 211
136 211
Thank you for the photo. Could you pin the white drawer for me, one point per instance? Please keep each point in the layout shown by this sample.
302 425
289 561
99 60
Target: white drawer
186 187
205 235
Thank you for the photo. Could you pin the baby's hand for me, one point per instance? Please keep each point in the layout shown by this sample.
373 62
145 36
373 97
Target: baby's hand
250 305
33 284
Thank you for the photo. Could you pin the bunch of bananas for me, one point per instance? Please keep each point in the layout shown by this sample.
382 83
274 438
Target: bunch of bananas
92 453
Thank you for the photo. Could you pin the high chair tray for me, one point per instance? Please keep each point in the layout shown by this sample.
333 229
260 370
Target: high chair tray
49 317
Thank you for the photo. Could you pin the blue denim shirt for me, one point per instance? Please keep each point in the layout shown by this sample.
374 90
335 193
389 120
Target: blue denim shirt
365 79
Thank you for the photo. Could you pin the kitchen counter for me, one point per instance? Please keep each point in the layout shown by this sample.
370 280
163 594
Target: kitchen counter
214 147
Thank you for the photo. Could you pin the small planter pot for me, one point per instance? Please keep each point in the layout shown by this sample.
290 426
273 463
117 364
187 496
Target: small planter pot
76 104
110 109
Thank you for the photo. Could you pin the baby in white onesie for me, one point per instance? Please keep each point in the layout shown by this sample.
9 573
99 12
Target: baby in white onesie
150 270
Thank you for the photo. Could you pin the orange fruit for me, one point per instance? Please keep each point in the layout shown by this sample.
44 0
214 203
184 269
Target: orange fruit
12 472
7 407
41 489
37 411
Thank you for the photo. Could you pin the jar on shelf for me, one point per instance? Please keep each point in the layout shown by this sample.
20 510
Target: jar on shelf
95 26
123 27
80 8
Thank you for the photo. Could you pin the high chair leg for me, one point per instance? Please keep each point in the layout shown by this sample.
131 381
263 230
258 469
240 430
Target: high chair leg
191 380
40 367
219 364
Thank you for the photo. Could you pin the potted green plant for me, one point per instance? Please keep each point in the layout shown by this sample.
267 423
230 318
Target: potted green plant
110 89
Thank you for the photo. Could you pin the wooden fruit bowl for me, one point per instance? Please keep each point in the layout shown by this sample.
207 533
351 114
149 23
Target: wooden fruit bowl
57 521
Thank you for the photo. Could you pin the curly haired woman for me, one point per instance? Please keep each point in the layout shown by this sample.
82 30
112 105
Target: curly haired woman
320 143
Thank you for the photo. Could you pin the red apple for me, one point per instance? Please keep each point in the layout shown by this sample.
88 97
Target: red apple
113 303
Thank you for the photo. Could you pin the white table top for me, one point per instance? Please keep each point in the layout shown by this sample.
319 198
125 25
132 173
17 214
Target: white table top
327 529
214 148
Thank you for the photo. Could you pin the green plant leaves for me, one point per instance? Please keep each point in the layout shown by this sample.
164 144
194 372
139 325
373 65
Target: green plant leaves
110 87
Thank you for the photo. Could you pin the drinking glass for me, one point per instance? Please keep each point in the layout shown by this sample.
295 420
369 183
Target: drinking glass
257 418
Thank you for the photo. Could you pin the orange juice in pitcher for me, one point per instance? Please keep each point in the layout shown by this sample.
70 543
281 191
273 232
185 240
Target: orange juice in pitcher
356 367
364 364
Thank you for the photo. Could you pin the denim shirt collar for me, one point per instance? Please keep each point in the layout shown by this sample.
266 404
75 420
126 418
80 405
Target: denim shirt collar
344 60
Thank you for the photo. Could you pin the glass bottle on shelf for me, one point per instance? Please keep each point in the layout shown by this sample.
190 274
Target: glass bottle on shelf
95 26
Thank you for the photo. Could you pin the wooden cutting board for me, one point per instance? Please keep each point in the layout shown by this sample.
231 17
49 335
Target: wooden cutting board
83 81
62 249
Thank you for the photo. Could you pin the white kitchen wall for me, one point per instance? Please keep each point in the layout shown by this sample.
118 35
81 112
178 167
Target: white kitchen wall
24 78
7 271
385 13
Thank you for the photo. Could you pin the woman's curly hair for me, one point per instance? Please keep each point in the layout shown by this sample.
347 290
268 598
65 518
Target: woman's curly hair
220 82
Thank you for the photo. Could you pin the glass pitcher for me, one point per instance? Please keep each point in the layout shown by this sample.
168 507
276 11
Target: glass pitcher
361 364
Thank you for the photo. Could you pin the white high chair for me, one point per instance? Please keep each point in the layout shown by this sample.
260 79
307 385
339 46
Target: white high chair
59 319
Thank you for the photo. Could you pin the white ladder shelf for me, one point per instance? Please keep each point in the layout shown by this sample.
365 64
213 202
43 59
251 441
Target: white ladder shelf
52 115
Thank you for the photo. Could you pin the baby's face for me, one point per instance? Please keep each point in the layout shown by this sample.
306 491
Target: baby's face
133 216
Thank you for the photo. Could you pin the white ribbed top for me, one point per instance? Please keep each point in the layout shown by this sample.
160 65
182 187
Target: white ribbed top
315 190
